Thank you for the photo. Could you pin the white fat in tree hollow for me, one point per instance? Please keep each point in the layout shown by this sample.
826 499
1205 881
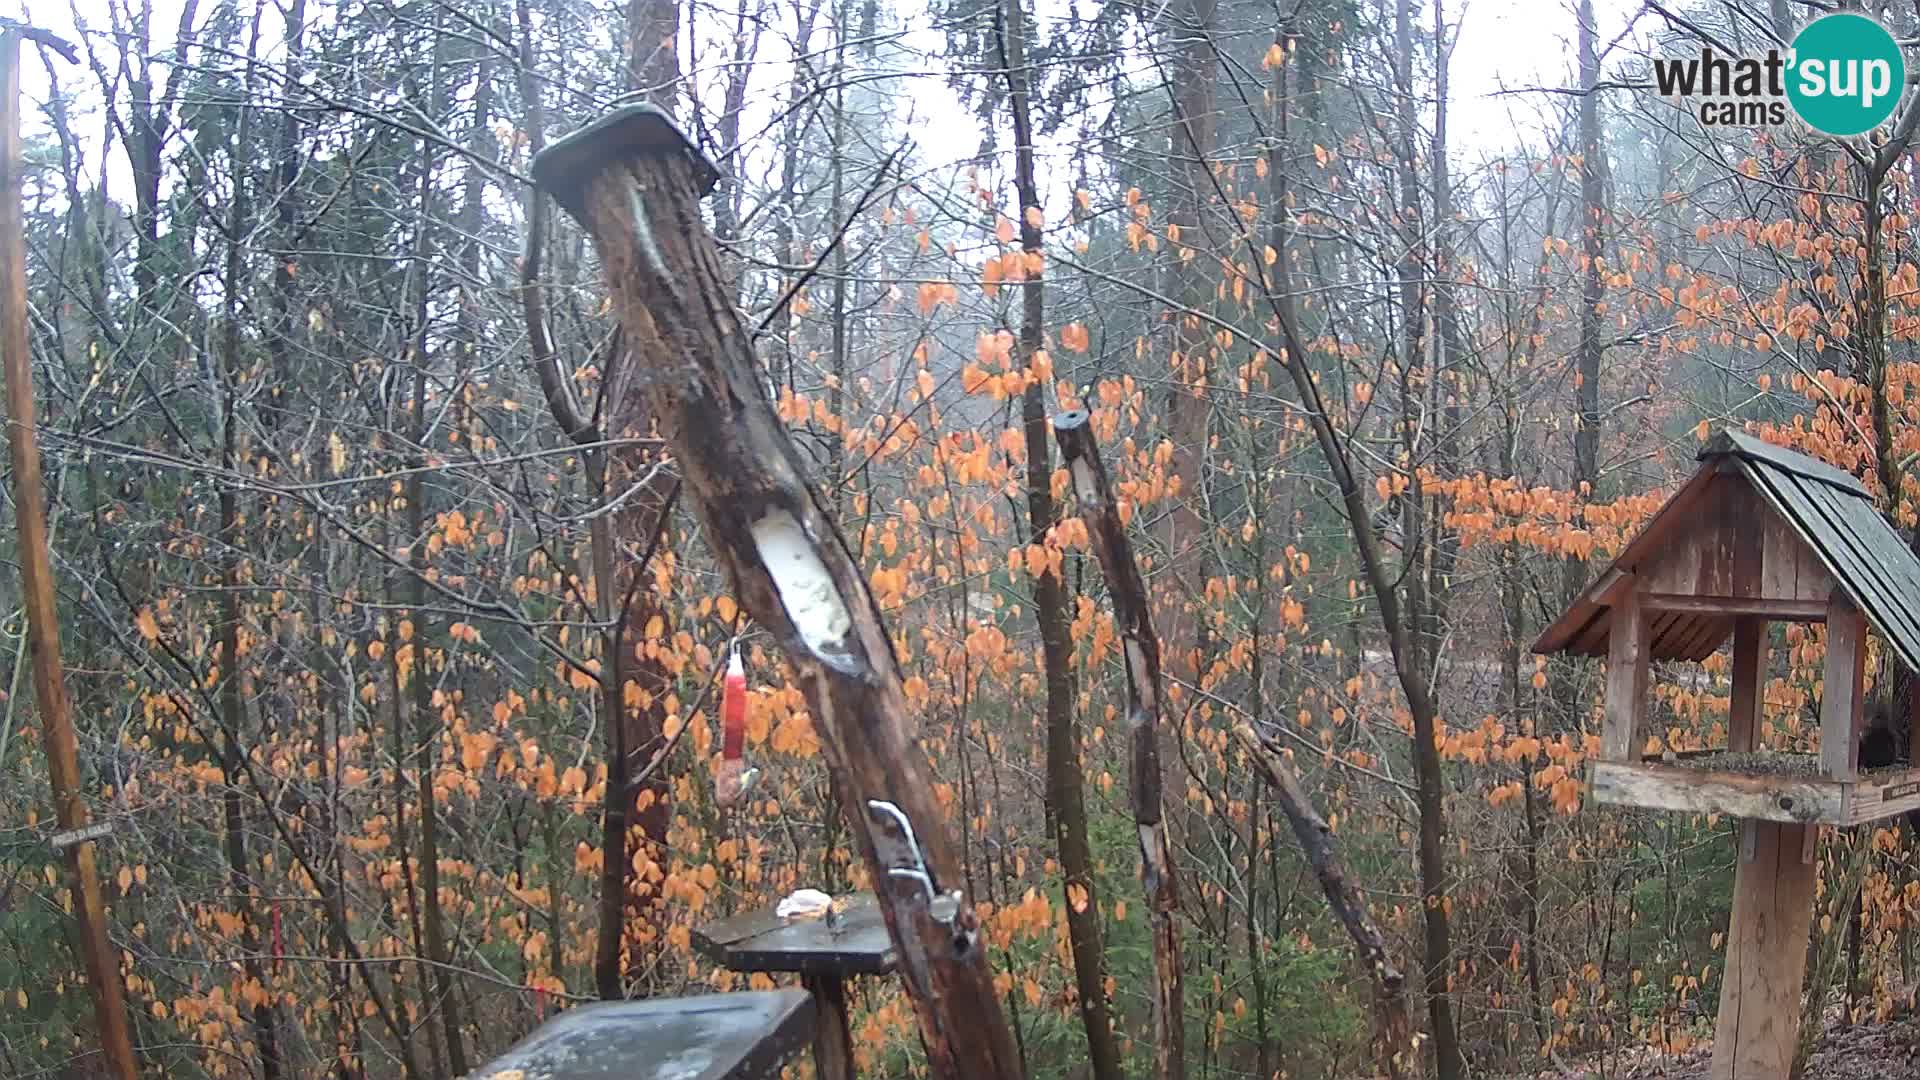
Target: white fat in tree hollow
806 588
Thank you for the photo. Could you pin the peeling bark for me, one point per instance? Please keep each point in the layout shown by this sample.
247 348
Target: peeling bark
634 182
1100 512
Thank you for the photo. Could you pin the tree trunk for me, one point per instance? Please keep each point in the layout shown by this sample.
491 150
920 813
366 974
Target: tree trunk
1394 1047
233 538
1100 511
411 663
634 182
1191 138
97 955
1066 798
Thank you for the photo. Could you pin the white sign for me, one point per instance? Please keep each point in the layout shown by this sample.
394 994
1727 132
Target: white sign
65 840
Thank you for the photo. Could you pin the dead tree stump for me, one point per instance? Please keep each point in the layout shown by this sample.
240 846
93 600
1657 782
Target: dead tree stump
634 183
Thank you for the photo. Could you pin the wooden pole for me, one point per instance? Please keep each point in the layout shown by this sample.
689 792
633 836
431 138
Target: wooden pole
1160 877
1759 1018
97 954
1749 683
1842 689
635 184
832 1033
1627 662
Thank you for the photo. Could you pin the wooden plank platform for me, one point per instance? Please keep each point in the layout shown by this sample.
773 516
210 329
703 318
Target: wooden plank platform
744 1036
1788 799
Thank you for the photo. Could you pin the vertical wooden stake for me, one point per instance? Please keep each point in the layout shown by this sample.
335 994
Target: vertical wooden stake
1627 661
36 584
1749 683
832 1038
1759 1017
1841 708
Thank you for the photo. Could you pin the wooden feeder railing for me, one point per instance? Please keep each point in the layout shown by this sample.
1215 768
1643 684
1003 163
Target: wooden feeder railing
634 183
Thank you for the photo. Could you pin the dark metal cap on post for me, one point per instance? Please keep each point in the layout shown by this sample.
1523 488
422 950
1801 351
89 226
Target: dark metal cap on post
564 168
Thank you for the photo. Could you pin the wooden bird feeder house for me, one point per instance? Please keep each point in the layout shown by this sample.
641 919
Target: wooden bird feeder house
1758 535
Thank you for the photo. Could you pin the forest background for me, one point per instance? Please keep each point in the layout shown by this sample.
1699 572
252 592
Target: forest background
395 652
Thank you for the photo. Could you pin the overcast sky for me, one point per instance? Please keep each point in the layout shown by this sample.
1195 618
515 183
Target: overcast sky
1501 45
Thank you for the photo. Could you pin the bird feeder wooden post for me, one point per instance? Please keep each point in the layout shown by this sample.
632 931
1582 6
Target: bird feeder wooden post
1759 535
824 952
634 182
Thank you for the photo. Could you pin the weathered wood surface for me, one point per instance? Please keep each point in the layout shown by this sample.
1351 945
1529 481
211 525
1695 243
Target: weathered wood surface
1787 799
832 1028
1735 607
1882 796
98 955
1749 683
858 944
1626 689
1141 645
1582 627
1395 1051
1842 684
1766 954
744 1036
635 183
1761 796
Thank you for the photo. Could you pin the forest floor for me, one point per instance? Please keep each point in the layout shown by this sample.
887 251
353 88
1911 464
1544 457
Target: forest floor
1869 1051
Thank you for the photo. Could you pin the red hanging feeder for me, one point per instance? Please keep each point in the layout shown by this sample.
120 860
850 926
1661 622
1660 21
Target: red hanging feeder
732 782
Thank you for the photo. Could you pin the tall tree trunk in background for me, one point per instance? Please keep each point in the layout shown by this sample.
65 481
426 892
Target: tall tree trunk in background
1593 225
1066 798
1447 382
646 515
411 654
786 198
1421 632
653 56
287 152
727 195
233 541
1191 138
837 310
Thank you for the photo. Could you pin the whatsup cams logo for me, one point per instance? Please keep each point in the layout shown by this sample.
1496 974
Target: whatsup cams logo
1844 75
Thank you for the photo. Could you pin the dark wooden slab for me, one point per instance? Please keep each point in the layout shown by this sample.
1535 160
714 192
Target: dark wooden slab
763 941
745 1036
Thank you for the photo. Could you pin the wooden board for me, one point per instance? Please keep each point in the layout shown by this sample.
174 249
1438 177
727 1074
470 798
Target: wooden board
1842 712
1786 799
1626 690
1766 954
1882 796
1749 683
763 941
745 1036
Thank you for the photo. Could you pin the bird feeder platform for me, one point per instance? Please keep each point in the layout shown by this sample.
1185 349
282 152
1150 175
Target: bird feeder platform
1758 535
745 1036
1786 788
824 954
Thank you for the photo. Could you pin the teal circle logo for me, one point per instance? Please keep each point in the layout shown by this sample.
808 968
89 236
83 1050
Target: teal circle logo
1847 74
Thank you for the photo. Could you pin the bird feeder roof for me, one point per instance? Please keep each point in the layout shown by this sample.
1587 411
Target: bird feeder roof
1831 512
